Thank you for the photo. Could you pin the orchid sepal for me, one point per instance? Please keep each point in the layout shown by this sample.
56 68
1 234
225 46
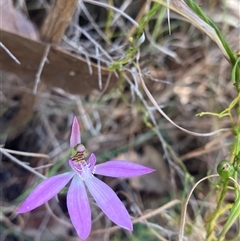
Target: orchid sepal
75 137
44 191
109 203
121 169
79 208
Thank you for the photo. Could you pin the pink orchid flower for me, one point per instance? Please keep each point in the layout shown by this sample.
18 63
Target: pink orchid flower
82 175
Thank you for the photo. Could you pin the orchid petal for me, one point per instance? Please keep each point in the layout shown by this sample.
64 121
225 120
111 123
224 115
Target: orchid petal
75 137
91 162
79 208
109 202
71 164
117 168
45 191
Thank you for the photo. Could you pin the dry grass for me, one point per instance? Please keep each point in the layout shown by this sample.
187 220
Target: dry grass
185 72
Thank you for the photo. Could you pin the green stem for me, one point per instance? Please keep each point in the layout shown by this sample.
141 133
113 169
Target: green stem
214 216
234 214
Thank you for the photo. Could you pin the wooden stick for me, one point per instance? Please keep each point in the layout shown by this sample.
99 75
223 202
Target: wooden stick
57 21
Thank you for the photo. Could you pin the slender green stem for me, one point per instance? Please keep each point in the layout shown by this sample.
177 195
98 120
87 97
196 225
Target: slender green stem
215 215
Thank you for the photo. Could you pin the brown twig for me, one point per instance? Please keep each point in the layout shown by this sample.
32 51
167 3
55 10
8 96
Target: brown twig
57 21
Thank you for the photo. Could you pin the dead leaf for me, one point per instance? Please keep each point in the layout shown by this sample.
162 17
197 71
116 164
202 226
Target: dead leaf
63 70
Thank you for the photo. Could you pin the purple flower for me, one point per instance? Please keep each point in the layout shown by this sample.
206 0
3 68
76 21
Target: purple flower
77 199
